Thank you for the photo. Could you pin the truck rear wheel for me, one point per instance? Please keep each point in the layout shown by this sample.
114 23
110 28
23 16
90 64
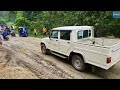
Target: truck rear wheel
78 63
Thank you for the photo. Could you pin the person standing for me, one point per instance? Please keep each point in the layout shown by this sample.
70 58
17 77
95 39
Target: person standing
44 31
35 32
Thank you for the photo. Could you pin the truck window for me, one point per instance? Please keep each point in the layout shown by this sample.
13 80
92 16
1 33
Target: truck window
54 34
65 34
83 34
80 34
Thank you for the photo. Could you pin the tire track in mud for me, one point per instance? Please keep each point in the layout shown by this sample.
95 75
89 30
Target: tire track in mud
8 57
40 73
39 59
48 65
29 67
22 63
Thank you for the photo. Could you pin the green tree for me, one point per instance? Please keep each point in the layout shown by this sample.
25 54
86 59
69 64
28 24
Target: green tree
2 21
21 20
102 21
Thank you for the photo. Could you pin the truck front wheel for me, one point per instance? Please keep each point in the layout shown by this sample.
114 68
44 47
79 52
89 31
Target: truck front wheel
78 63
44 50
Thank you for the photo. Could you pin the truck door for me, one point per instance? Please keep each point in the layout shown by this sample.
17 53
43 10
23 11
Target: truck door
64 41
54 40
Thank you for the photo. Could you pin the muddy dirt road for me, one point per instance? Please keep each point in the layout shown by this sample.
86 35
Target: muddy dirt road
21 58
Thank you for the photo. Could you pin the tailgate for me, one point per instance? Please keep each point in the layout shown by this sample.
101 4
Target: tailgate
115 52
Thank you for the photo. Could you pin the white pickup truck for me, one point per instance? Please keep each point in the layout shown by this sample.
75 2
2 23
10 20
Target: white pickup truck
78 44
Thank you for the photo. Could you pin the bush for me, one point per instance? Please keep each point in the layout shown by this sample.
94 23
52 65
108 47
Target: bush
2 21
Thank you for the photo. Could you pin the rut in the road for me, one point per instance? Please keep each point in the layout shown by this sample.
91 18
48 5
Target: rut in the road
42 68
8 57
47 66
37 58
37 71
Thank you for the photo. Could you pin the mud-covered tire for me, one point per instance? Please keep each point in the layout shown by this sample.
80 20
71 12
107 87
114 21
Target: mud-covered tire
78 63
44 50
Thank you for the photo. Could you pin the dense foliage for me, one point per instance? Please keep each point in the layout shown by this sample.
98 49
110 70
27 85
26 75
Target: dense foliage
2 21
104 23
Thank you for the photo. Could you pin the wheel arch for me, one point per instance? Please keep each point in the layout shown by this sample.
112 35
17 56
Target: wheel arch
77 53
44 44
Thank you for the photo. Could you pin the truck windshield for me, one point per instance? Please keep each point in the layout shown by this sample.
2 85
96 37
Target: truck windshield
83 34
54 34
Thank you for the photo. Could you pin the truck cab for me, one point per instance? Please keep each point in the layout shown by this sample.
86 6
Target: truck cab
61 40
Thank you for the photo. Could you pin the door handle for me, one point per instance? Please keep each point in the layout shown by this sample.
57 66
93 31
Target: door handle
68 42
56 40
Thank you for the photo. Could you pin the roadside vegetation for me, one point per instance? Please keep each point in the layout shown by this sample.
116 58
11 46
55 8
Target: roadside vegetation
104 23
